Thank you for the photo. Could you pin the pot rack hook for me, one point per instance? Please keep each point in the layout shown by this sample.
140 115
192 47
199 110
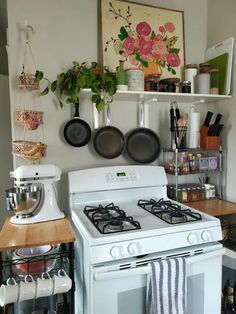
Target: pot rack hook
27 29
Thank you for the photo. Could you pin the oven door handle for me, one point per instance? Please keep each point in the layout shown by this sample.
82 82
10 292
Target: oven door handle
144 270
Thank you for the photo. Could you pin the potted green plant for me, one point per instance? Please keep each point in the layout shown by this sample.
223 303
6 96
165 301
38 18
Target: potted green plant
80 76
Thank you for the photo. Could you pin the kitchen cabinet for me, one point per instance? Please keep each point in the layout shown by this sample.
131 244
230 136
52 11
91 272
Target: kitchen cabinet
13 236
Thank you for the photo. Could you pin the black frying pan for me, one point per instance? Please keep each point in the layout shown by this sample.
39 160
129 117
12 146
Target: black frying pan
77 132
109 141
143 144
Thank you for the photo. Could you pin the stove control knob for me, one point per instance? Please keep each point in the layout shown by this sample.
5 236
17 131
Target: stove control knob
132 248
206 236
192 238
116 251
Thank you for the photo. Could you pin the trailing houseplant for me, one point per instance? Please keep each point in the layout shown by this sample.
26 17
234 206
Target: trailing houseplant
80 76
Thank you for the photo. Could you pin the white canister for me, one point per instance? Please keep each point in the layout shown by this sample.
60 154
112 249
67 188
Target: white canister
202 83
190 73
135 79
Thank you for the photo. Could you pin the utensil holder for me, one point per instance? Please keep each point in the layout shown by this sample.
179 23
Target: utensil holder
209 142
178 137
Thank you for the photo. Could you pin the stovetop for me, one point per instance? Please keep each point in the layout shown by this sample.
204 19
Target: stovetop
130 194
111 218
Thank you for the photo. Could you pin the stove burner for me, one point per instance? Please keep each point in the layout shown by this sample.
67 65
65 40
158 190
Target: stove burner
110 219
168 211
114 225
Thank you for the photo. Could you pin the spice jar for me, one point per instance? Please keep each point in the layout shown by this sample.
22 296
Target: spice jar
185 87
169 85
214 81
152 82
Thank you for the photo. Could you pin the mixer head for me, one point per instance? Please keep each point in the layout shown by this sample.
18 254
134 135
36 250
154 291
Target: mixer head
36 174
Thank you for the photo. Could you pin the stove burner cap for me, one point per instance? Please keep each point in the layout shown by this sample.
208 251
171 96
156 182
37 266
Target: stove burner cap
176 217
115 225
102 214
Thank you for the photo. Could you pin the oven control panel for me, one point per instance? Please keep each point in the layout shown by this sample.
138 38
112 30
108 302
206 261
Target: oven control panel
121 176
161 243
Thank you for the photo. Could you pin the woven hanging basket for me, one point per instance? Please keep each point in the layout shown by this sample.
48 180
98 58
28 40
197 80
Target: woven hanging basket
29 150
30 119
27 81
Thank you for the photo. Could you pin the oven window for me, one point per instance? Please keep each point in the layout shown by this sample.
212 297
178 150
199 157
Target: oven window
132 301
195 294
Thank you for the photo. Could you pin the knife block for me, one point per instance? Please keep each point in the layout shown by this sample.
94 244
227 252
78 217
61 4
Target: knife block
209 142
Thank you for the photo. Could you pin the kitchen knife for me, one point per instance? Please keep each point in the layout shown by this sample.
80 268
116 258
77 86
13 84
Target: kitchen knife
208 118
177 112
218 118
220 127
172 118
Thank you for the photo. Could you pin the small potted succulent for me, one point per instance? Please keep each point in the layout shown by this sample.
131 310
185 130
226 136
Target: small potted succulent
80 76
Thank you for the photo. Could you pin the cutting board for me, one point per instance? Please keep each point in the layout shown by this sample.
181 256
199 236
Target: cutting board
220 56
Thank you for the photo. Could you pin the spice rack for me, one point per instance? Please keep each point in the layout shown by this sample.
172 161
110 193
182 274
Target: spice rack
193 162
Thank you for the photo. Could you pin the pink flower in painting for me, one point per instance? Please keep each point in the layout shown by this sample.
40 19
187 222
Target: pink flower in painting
133 60
173 59
169 26
161 29
160 50
145 46
129 43
143 28
158 37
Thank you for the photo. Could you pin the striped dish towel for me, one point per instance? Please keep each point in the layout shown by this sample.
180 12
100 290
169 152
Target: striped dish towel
166 292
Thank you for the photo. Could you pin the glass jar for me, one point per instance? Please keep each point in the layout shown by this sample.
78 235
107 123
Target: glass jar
214 81
194 194
185 87
152 82
184 195
189 193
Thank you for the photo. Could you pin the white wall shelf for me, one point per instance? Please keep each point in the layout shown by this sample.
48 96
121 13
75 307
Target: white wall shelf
165 97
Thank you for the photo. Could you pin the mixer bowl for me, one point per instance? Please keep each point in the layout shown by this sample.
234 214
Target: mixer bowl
24 200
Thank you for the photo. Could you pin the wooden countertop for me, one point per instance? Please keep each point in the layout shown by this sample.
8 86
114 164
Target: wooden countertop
14 236
215 207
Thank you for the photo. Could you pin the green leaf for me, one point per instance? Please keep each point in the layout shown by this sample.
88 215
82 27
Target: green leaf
142 61
174 50
153 35
123 33
54 86
173 71
100 106
96 98
38 76
81 80
44 92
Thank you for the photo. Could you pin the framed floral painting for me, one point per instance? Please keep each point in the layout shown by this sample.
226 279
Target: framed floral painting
142 36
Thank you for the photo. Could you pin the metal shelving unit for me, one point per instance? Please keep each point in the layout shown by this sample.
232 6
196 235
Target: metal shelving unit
202 173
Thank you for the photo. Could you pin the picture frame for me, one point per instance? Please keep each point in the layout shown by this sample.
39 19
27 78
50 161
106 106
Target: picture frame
141 36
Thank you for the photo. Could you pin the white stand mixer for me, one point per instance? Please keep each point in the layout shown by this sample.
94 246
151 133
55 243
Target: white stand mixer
45 206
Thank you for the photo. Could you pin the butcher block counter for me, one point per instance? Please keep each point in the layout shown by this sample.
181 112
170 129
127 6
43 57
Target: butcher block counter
214 207
14 236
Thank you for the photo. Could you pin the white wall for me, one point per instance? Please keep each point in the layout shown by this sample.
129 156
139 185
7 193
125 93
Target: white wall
221 25
67 31
6 163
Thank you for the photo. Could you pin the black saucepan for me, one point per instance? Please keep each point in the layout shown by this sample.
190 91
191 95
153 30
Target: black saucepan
77 132
109 141
142 144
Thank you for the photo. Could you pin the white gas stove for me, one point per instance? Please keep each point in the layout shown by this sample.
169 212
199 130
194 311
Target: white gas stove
122 215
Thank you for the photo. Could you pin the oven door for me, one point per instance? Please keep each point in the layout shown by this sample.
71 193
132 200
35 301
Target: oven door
123 291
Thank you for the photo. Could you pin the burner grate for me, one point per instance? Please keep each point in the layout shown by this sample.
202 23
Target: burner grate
168 211
110 219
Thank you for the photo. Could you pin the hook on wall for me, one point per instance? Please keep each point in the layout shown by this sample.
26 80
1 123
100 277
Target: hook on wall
27 29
